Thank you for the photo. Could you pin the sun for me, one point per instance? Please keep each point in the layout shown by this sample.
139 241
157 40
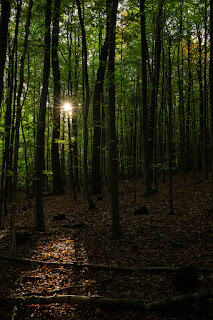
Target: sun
67 107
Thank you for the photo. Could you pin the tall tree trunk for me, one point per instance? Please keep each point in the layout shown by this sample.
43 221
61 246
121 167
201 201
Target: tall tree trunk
161 122
9 165
113 155
40 143
188 109
5 158
86 108
181 102
200 81
211 90
70 91
146 145
74 122
150 130
205 100
134 138
56 167
154 92
71 161
17 126
98 91
4 21
171 207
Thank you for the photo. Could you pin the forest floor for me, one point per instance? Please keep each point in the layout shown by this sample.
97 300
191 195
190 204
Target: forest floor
151 239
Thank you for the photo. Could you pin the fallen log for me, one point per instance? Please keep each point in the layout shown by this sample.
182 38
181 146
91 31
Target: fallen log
98 266
168 305
174 242
183 302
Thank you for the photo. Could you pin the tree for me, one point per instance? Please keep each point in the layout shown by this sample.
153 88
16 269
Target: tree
17 126
146 146
8 116
113 155
40 143
85 109
149 118
138 105
211 90
4 21
56 167
171 208
154 90
98 91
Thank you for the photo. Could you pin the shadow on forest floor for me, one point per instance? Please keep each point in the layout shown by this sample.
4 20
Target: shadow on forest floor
154 239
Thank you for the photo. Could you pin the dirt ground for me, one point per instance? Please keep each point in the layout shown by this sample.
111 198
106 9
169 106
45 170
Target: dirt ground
152 238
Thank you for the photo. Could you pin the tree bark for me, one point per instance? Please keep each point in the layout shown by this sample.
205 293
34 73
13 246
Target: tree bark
8 116
201 159
181 98
211 91
4 21
73 184
146 146
86 108
16 142
113 155
154 96
56 167
188 110
40 143
205 98
74 119
98 91
171 207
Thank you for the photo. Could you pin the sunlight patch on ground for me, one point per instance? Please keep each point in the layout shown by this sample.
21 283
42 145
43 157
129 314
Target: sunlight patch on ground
49 280
57 250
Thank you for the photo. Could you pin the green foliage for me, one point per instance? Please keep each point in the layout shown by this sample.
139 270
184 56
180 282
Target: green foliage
128 76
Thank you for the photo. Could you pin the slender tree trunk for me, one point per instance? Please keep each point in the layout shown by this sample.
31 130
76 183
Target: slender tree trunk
98 91
134 142
17 126
154 94
205 101
200 81
86 108
113 155
63 175
181 102
40 143
25 160
56 166
74 122
211 90
149 128
188 112
4 21
146 146
171 207
70 91
71 161
8 119
121 103
9 165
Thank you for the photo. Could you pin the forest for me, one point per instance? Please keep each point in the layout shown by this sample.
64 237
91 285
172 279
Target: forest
106 150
